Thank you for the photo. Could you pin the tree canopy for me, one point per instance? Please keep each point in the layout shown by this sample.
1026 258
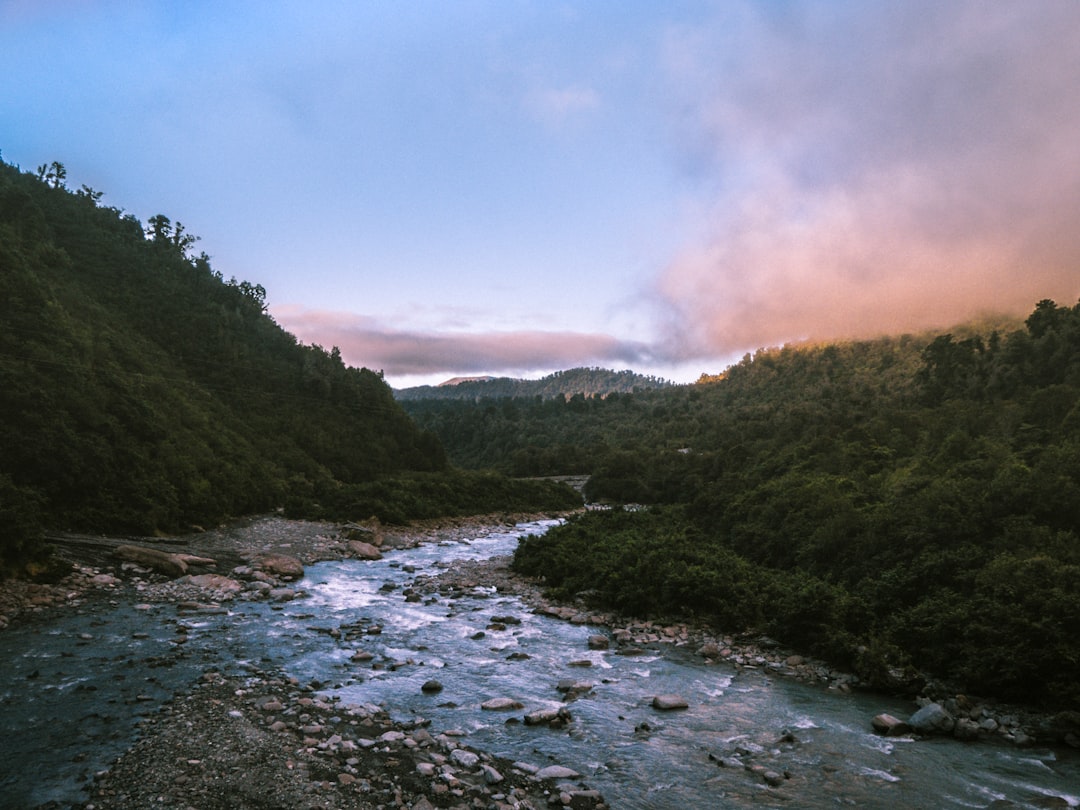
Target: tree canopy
140 391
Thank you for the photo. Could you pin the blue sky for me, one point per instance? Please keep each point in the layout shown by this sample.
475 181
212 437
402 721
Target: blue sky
513 187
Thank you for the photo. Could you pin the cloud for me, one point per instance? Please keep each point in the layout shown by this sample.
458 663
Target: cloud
888 168
364 341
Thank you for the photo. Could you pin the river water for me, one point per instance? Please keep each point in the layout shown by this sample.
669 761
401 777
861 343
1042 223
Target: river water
74 688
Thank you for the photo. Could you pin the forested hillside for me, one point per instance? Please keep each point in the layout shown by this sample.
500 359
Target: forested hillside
890 504
587 382
140 391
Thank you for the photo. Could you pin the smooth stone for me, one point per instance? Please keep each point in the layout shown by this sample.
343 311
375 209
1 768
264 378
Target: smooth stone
466 759
669 702
557 772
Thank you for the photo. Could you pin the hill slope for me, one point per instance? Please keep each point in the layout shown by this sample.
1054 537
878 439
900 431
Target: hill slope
140 391
907 501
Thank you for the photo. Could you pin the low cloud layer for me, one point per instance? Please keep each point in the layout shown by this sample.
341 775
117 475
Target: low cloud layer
364 341
885 168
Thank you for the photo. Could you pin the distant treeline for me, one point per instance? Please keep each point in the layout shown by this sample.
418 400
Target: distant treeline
141 391
586 382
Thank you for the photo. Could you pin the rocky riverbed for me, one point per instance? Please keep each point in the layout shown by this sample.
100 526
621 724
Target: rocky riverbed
266 741
263 740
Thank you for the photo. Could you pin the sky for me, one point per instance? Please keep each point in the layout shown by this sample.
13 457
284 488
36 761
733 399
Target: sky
513 187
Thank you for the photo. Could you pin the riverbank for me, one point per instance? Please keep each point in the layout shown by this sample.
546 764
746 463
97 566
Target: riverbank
266 741
261 740
962 716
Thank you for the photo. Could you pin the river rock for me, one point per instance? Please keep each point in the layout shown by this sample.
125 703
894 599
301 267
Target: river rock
932 719
572 688
557 772
599 642
669 702
501 704
966 729
431 686
281 566
214 582
370 533
556 718
364 551
466 759
890 726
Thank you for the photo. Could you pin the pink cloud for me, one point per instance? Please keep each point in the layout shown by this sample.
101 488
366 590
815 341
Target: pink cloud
364 341
877 172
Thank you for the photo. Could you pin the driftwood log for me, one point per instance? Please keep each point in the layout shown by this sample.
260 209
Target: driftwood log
164 562
173 557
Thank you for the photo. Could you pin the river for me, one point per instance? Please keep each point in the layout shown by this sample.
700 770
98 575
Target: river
75 686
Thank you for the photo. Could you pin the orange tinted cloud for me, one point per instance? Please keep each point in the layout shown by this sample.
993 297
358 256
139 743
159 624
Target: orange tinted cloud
877 172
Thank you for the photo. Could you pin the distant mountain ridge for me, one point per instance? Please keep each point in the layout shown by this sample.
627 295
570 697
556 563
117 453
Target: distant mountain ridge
589 382
460 380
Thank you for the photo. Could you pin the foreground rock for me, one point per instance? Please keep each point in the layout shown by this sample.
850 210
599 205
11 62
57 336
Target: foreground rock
266 742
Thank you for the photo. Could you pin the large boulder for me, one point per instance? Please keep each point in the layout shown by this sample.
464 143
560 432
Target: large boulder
932 719
364 551
370 531
669 702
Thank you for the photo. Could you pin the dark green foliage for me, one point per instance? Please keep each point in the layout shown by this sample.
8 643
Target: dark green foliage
20 525
904 501
397 499
140 391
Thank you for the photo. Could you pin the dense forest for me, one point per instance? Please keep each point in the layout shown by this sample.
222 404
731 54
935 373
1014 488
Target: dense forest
901 505
141 391
589 382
